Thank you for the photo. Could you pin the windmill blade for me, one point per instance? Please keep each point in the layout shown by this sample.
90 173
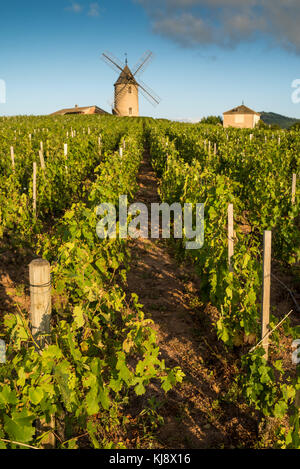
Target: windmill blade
149 94
112 61
146 58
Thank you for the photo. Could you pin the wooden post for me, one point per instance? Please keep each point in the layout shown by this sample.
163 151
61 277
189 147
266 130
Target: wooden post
40 299
2 351
39 316
294 188
29 137
42 160
89 131
215 149
230 236
12 155
121 152
34 189
251 137
265 310
66 155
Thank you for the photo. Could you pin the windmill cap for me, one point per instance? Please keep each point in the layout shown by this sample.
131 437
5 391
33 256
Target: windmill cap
126 77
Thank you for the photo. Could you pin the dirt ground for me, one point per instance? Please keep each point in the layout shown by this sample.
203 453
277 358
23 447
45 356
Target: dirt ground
198 413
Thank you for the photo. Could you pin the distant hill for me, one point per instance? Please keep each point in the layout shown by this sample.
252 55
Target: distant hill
271 118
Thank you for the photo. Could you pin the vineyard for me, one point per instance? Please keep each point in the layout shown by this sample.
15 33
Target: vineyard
149 345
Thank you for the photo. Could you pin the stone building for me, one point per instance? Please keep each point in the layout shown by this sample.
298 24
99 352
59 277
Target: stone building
241 117
80 110
126 102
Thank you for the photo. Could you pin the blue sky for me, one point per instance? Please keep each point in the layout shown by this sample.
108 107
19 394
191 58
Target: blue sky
209 57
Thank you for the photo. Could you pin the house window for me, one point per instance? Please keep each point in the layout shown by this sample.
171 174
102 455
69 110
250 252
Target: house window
129 90
130 111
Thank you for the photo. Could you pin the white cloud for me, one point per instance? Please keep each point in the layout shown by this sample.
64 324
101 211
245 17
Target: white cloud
226 22
74 7
94 9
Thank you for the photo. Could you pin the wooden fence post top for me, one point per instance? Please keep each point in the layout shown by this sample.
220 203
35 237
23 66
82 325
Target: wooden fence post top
39 262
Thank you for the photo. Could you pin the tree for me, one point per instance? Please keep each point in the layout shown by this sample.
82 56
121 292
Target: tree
212 120
295 126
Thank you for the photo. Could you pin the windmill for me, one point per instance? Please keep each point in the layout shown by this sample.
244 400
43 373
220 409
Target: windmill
126 99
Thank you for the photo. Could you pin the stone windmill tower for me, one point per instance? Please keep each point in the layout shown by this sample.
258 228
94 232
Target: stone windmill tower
126 97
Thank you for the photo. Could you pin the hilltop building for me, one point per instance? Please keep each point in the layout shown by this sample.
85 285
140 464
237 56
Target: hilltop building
241 117
126 93
126 101
80 110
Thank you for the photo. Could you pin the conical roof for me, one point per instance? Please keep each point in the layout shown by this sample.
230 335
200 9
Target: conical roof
126 77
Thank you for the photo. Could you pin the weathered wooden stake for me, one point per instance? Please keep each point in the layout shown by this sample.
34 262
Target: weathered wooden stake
12 155
121 152
2 351
40 299
34 189
215 149
39 316
230 236
66 155
42 160
294 188
265 310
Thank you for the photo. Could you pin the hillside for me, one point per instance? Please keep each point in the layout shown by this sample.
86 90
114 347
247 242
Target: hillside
271 118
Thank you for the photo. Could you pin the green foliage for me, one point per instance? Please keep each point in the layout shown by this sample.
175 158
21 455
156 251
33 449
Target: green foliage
212 120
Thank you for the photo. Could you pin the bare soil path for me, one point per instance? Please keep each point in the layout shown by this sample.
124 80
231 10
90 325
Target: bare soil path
198 413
